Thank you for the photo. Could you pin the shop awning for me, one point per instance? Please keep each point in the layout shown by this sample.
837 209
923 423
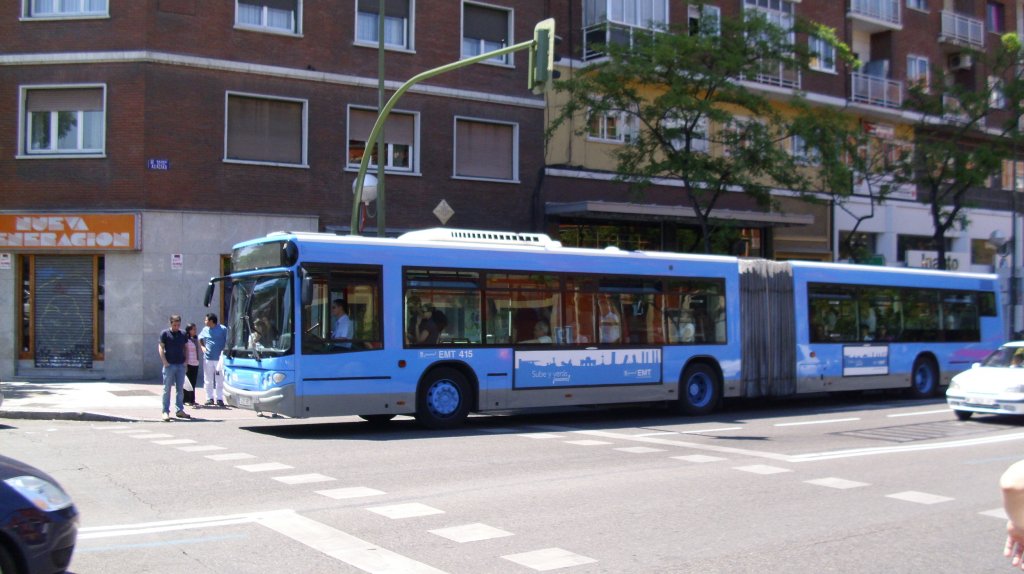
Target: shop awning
655 212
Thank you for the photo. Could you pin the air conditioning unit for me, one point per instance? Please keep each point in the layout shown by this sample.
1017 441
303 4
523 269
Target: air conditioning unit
960 62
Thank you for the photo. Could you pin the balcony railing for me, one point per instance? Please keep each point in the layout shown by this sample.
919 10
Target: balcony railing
876 91
778 75
882 10
960 29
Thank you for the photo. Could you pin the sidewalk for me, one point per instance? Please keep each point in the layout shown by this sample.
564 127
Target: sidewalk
100 401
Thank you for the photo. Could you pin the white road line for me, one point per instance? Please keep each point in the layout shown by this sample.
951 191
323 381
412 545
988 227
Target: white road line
919 497
162 526
408 510
684 444
702 431
639 449
470 533
824 422
304 478
762 469
201 448
548 559
340 545
174 441
343 546
839 483
230 456
699 458
350 492
995 513
263 467
812 457
897 415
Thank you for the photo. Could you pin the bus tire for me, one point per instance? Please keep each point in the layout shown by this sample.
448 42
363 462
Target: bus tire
443 399
963 415
700 391
924 379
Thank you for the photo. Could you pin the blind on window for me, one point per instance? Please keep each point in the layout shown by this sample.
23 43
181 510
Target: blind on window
393 8
275 4
65 100
483 150
398 128
485 23
264 130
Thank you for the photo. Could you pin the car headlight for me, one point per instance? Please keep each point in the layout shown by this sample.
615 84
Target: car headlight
44 494
953 387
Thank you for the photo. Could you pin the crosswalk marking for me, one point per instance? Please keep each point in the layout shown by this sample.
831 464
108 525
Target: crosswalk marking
470 533
919 497
408 510
548 559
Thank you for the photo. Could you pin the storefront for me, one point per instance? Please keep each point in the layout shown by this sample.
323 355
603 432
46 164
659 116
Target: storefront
88 293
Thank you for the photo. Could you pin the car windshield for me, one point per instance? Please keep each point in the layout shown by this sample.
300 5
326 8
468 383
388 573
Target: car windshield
1006 357
261 316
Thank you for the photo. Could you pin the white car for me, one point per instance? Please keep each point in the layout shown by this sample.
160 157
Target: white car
995 385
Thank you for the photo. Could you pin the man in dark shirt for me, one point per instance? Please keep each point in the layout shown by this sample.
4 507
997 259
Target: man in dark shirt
172 355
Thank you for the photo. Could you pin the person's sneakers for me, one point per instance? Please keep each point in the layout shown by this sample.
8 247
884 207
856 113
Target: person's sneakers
209 403
221 404
182 415
167 417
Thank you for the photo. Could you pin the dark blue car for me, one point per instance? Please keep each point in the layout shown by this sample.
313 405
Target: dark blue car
38 521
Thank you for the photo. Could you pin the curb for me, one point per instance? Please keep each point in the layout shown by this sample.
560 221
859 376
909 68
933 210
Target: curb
64 416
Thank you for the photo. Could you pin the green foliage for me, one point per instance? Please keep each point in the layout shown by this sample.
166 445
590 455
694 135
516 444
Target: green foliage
698 120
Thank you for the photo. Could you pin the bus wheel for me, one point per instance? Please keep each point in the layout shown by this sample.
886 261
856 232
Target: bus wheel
924 379
443 400
963 415
699 391
376 419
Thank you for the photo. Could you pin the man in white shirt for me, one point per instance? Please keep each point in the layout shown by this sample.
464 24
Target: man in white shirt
342 323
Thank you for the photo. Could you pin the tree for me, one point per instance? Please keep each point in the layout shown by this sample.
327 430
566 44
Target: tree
693 118
844 161
962 134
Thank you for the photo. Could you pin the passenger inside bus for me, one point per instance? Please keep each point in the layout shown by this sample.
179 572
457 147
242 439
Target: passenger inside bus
541 333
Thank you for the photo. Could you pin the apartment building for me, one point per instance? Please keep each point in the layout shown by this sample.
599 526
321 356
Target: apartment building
140 140
897 42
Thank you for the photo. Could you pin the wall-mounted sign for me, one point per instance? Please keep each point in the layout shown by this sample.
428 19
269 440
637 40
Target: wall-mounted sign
930 260
5 260
71 232
177 261
158 164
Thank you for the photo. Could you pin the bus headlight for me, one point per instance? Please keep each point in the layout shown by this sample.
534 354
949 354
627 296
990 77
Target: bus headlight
273 378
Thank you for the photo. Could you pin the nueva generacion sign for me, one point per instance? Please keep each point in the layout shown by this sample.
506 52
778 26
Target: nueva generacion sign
71 232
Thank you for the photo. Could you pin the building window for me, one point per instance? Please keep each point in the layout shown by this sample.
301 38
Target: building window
486 149
996 95
65 8
270 15
918 71
917 4
676 128
64 121
484 29
995 17
823 55
261 129
704 18
610 127
400 137
804 153
397 23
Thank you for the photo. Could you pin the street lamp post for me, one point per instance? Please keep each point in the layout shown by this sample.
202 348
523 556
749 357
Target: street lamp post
382 116
381 145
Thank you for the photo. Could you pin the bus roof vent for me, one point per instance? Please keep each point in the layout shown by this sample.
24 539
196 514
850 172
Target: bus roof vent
444 234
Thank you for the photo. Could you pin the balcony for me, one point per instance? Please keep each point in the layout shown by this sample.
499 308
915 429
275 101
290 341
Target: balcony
959 30
876 91
875 15
778 75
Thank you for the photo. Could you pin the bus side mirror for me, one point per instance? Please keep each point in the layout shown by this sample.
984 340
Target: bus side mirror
306 292
209 294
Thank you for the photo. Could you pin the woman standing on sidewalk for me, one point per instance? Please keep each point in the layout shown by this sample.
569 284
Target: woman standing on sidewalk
191 363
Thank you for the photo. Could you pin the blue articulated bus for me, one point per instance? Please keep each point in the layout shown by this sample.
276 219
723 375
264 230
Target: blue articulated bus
439 323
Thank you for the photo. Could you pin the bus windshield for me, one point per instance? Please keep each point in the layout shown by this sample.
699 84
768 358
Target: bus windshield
260 320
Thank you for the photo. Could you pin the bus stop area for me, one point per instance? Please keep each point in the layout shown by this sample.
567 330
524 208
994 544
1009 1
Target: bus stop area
126 401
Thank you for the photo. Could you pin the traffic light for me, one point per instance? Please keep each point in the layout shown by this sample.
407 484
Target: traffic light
542 57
